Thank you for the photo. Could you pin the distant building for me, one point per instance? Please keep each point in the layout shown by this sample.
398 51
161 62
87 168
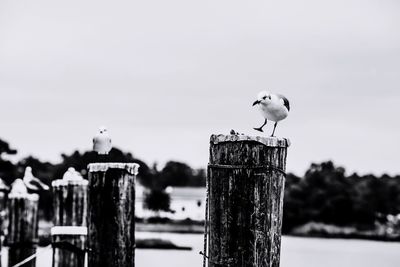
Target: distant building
186 202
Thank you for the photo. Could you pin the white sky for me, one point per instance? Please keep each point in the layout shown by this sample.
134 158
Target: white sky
164 75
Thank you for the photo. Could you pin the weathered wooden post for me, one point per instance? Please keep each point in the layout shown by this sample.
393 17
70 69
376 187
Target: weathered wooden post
111 218
69 233
4 189
3 202
245 192
22 235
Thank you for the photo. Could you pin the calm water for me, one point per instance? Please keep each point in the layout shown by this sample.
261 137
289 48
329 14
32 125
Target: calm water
296 252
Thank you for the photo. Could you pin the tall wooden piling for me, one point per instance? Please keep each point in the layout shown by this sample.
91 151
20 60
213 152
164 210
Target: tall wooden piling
3 200
4 189
22 237
69 234
245 192
111 219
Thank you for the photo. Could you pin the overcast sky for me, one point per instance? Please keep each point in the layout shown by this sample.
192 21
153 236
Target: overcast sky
164 75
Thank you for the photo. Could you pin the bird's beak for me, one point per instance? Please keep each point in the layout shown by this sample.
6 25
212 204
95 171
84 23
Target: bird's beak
256 102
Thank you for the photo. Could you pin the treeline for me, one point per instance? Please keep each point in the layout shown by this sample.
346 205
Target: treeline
172 174
326 194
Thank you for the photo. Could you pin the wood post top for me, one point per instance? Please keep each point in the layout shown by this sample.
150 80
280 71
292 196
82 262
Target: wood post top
71 177
64 182
19 191
132 168
267 141
32 197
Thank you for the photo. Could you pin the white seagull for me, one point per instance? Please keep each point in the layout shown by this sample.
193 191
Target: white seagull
273 107
102 142
33 183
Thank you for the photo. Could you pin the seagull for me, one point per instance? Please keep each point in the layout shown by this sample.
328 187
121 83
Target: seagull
102 142
33 183
273 107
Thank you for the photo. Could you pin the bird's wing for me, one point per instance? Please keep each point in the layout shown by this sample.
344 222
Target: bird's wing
39 184
285 102
31 186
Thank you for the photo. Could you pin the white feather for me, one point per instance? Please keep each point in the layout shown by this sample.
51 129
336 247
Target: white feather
33 183
102 142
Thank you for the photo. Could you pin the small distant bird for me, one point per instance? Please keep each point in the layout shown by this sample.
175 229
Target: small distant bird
102 142
273 107
33 183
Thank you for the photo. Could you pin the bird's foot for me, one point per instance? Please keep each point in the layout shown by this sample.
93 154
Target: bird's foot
259 129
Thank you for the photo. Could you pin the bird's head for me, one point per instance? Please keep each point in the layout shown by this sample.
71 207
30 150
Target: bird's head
28 171
102 129
263 97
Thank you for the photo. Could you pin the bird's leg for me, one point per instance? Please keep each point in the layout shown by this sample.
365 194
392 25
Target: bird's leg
272 135
260 128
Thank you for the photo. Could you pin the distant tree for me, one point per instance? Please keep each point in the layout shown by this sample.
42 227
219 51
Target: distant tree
293 203
175 174
199 178
157 200
148 176
323 195
329 194
375 197
364 198
7 168
6 149
180 175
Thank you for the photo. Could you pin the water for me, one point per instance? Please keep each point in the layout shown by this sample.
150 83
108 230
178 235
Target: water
296 252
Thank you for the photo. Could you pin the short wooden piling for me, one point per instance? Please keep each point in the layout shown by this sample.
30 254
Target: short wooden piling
245 192
111 219
22 238
69 233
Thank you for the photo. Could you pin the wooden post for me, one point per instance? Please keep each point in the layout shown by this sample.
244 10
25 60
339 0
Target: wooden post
4 189
246 178
3 202
111 218
22 235
69 233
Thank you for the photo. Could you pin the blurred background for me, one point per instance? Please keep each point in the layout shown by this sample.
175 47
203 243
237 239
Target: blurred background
164 76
